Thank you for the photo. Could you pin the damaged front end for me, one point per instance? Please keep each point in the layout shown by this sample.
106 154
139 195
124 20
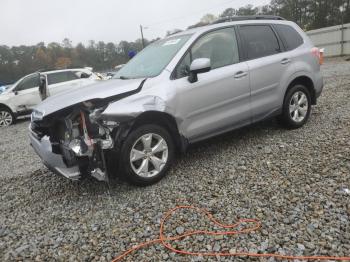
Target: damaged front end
73 142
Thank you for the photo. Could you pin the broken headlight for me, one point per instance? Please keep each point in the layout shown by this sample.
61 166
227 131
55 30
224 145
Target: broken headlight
37 115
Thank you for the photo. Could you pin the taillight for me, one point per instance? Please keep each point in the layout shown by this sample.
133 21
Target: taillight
319 54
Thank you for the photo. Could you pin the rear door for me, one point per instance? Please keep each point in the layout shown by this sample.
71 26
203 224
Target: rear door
220 100
269 66
64 81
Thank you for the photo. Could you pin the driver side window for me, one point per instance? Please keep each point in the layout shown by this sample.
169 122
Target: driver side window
219 46
28 82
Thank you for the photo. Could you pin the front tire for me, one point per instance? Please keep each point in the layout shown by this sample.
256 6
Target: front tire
146 155
296 107
7 118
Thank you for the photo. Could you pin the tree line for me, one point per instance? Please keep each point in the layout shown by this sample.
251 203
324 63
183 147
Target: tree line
18 61
309 14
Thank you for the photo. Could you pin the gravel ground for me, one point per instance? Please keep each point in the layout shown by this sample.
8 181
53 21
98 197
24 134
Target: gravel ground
296 182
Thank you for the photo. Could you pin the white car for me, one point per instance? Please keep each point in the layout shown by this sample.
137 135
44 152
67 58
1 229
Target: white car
3 88
24 95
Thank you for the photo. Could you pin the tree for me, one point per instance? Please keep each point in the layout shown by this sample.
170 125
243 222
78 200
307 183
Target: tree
197 25
66 43
247 10
42 59
208 19
63 62
229 12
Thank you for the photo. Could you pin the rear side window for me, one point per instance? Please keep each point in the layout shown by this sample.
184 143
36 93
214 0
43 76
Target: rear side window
290 36
260 41
61 77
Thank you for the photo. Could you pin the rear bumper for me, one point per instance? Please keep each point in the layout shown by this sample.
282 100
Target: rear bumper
319 84
53 161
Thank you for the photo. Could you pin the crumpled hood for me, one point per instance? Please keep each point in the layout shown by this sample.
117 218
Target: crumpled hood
100 90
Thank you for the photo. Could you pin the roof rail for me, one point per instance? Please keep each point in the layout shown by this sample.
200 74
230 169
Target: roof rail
248 17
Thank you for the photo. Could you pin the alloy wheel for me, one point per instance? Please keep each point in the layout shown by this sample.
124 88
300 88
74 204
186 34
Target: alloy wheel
6 118
149 155
298 107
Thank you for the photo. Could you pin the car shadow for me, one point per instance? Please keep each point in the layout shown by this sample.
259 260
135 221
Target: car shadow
231 138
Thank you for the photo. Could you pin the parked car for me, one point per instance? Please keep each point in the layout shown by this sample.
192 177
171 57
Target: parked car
3 88
24 95
110 74
182 89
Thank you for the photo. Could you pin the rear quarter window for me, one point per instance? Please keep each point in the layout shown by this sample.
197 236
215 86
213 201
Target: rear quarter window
290 36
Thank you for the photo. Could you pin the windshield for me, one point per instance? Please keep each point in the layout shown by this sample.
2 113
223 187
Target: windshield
153 59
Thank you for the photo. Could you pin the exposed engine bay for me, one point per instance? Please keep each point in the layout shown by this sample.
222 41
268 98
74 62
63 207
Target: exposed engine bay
72 132
80 137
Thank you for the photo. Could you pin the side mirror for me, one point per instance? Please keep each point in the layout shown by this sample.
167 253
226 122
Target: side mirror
15 92
199 66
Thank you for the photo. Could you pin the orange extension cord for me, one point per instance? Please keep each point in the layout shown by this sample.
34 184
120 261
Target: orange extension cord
255 226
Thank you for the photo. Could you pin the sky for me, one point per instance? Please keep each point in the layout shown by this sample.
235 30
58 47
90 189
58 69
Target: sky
32 21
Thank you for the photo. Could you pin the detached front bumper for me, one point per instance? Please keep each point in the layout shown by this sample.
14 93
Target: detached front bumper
54 162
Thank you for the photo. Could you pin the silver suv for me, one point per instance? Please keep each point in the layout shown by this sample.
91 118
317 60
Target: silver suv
179 90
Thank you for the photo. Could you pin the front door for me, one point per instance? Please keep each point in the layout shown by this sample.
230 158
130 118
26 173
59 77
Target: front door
26 94
220 99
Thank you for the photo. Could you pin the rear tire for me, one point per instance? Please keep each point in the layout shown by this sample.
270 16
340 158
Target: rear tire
146 155
7 118
296 107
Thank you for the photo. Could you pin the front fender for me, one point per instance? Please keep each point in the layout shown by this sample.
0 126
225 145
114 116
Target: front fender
127 111
131 107
6 102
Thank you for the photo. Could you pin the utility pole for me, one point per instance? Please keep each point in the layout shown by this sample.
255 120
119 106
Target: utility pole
143 39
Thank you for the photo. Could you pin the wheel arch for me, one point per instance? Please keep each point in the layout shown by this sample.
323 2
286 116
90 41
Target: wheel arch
7 107
308 83
166 121
14 116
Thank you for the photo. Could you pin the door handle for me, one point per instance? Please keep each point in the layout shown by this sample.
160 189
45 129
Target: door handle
285 61
240 74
